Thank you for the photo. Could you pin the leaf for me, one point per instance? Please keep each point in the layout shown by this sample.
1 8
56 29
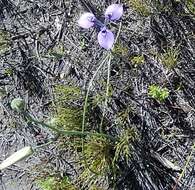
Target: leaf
17 156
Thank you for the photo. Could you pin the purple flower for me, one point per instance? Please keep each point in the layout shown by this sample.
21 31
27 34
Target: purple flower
87 20
105 36
114 12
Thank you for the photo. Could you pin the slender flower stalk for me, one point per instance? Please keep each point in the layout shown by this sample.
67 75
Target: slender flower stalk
99 24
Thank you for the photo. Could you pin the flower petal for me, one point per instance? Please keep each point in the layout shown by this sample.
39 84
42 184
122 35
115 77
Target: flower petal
106 38
86 20
114 12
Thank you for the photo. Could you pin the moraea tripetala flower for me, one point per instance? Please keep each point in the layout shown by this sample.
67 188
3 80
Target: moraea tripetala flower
105 36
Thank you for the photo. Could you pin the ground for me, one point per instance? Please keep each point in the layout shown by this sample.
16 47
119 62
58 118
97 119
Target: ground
131 109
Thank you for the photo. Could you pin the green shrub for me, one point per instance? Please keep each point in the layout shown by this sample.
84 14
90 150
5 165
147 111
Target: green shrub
158 93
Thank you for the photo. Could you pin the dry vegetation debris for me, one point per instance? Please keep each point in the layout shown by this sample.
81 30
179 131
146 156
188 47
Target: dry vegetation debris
148 103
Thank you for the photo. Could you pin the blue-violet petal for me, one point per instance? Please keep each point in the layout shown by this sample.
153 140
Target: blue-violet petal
114 12
106 38
86 20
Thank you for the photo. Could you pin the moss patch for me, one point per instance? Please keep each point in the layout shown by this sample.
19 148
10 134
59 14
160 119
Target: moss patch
52 183
66 114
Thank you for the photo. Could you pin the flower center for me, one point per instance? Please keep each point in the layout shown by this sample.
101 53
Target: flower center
99 23
109 15
104 32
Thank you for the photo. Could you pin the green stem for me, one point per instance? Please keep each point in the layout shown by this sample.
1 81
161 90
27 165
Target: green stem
67 133
107 93
87 94
185 166
85 109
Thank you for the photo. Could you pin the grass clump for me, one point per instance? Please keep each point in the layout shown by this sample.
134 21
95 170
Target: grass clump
140 6
4 41
158 93
123 147
9 72
66 93
120 49
97 162
53 183
123 116
97 152
170 58
191 6
58 51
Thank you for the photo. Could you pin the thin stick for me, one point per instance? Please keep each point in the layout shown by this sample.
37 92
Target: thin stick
185 167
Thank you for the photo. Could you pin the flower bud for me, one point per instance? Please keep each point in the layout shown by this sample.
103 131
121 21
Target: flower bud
18 104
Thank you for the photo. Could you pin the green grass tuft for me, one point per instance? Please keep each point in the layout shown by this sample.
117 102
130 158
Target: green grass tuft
97 162
191 6
120 49
4 41
140 6
66 93
170 58
98 154
123 147
65 114
68 118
